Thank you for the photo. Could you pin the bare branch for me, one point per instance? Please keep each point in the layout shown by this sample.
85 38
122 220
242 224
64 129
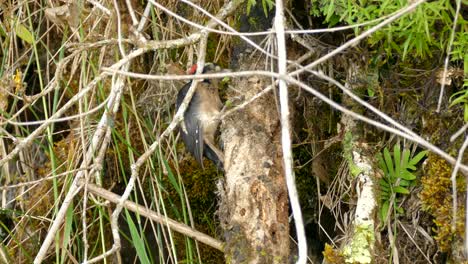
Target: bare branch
161 219
286 135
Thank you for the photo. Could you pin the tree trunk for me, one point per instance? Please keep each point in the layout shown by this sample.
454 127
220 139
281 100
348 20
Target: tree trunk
254 199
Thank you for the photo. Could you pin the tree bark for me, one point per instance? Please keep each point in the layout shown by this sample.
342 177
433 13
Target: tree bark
254 200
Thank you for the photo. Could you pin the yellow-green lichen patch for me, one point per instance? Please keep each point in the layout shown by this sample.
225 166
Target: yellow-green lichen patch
360 248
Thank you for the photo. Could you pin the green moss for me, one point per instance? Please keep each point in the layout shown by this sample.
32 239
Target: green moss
332 255
253 21
238 249
436 198
348 147
304 181
200 187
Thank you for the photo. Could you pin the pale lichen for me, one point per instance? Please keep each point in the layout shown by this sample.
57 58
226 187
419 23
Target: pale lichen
361 247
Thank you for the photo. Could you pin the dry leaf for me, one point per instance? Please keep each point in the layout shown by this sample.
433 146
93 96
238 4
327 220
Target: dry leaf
64 15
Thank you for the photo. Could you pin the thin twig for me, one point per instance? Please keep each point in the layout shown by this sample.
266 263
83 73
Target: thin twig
62 119
459 132
161 219
447 58
286 135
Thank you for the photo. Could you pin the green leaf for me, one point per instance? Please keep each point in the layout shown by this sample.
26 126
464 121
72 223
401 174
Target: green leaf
415 160
397 159
465 113
2 31
385 194
406 45
250 3
400 189
228 104
389 162
267 6
67 233
330 10
265 10
404 183
172 179
406 175
384 210
382 164
460 97
459 100
406 158
465 64
384 184
23 33
370 91
138 242
400 210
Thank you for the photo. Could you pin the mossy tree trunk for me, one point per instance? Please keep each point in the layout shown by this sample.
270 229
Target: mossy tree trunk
358 154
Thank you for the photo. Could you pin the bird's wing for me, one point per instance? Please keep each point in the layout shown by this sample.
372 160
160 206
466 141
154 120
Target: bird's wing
192 134
193 139
199 144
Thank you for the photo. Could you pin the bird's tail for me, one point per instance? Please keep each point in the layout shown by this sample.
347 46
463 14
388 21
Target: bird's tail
214 155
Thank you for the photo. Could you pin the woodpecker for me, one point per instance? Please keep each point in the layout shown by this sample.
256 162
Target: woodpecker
199 126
